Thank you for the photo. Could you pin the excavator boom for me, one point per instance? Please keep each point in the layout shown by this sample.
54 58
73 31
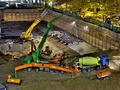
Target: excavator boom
28 34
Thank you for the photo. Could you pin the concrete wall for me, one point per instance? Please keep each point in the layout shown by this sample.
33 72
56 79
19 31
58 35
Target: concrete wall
99 37
21 14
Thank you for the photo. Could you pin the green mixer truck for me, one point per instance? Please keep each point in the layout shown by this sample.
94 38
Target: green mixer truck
87 63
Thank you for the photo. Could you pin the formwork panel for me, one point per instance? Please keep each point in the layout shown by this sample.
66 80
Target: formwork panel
21 14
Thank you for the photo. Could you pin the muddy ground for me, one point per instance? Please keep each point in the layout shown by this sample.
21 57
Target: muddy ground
55 81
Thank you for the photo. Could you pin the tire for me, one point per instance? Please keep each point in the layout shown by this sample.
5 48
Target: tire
51 70
103 67
62 72
42 69
83 70
56 71
37 69
29 69
88 70
97 68
101 78
106 77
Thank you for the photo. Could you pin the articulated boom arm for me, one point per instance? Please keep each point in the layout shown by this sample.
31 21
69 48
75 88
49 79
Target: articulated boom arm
28 34
36 55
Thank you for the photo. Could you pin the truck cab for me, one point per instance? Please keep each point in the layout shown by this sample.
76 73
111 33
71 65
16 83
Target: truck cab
104 61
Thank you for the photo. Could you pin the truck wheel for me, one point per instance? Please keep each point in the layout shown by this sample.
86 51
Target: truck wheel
104 67
51 70
42 69
88 70
29 69
56 71
105 78
37 69
100 78
97 68
83 70
62 72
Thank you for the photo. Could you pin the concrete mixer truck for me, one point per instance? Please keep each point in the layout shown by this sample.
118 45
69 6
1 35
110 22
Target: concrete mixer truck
88 63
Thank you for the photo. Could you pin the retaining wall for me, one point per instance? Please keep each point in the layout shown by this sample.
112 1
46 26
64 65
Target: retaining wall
99 37
21 14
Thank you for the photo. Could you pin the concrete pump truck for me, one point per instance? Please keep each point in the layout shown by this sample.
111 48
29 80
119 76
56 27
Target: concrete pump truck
34 62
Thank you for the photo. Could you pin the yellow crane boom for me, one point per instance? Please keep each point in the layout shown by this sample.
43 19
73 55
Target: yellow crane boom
28 34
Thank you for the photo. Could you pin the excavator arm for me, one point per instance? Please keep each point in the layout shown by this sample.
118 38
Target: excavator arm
28 34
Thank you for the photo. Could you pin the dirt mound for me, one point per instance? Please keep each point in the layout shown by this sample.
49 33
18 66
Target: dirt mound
4 58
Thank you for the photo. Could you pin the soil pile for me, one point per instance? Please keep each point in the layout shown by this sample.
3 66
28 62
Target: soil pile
4 58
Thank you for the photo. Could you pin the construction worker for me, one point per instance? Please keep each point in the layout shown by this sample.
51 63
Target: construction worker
66 62
108 20
77 72
104 18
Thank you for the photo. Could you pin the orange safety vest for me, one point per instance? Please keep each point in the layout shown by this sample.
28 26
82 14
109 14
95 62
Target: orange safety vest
77 72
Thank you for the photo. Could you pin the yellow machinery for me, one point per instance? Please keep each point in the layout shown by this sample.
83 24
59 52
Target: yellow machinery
12 80
28 34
